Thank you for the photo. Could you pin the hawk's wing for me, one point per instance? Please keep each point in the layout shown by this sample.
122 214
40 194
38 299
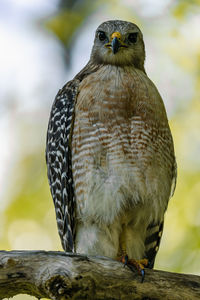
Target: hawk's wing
59 165
58 157
154 231
152 242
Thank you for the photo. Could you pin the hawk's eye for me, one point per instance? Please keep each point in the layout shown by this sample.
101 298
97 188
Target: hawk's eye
101 35
132 37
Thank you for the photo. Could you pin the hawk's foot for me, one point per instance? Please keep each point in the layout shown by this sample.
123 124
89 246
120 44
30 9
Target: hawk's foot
139 264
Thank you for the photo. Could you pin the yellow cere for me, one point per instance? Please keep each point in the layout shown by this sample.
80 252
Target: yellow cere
116 34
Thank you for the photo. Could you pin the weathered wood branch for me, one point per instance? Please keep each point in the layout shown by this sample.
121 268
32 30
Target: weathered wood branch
59 275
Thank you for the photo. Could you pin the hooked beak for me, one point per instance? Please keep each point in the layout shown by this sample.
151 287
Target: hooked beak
115 44
115 41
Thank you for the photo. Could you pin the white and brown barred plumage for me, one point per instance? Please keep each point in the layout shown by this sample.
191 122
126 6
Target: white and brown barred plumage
110 154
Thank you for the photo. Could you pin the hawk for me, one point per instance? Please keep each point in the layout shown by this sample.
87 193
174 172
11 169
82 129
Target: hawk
110 154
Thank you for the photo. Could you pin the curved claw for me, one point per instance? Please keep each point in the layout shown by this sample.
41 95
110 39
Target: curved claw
135 264
125 261
142 271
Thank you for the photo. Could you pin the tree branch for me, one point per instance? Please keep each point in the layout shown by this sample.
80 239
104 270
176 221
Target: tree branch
59 275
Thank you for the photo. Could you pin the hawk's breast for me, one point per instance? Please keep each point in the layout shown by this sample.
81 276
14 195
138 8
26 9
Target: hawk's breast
122 150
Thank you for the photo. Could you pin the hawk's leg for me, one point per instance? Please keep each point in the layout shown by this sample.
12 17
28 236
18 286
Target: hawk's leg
122 256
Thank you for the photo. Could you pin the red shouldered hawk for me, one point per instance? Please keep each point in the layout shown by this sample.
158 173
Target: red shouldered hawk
110 153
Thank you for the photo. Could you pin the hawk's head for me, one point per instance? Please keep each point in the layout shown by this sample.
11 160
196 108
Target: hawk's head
119 43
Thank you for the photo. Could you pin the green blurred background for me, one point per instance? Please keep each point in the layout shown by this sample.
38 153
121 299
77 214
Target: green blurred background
44 44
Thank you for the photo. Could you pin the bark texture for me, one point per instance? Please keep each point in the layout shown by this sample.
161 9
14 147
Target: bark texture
60 276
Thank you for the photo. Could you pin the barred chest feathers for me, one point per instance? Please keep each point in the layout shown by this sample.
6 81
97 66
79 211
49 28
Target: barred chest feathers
121 148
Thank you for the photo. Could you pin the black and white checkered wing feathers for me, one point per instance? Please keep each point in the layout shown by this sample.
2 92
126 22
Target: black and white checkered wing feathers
59 165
